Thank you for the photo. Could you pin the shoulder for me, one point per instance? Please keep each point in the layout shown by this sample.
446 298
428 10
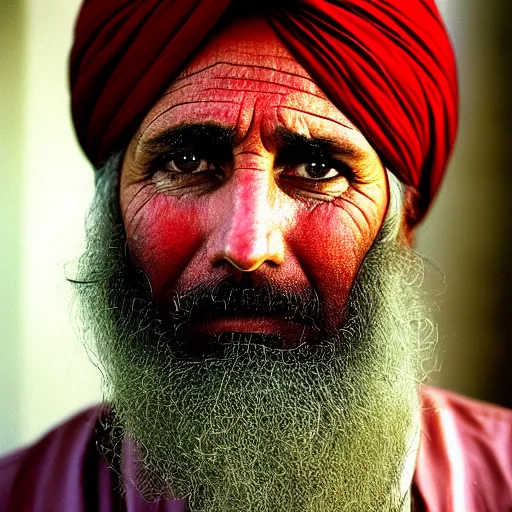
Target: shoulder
51 469
436 400
465 457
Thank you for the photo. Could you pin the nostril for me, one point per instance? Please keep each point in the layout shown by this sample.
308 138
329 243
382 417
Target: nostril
247 254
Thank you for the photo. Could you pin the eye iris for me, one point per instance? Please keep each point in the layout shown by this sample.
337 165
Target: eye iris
316 170
187 162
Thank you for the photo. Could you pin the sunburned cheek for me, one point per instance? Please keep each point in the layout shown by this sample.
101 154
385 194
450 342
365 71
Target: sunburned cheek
331 250
162 239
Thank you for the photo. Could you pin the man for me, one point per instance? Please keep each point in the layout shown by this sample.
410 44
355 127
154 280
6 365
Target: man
248 284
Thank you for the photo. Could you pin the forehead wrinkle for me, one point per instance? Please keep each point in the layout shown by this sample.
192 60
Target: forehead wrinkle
238 55
301 127
239 116
240 133
262 125
146 128
224 89
254 80
246 65
319 116
247 152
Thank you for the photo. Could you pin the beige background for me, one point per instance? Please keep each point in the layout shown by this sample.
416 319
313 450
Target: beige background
46 186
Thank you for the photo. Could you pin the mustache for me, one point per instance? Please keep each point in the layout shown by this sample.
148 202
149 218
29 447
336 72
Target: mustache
228 299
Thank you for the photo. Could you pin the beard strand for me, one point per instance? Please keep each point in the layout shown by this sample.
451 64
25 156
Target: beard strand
256 427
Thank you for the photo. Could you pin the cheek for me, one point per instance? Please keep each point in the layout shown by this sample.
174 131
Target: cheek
162 237
330 248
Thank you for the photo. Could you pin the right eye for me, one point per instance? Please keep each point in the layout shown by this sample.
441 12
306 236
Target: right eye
187 162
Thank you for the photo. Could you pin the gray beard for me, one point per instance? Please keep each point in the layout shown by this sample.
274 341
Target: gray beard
255 427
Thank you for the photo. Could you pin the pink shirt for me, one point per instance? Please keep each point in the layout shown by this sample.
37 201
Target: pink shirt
465 458
464 465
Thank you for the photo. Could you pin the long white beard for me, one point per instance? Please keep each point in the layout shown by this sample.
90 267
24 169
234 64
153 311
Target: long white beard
263 429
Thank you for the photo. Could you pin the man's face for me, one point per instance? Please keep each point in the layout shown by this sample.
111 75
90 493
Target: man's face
244 170
252 211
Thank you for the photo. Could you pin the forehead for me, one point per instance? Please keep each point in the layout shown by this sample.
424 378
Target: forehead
243 69
245 41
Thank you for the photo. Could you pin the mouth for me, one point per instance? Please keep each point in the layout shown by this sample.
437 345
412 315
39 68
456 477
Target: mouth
291 332
207 318
253 323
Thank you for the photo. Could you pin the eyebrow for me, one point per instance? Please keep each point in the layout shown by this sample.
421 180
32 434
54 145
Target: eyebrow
221 138
187 135
324 145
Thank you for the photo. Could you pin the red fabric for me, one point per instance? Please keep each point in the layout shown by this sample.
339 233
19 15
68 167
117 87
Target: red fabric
386 64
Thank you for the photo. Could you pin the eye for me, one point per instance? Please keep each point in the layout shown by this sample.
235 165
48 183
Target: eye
317 170
188 162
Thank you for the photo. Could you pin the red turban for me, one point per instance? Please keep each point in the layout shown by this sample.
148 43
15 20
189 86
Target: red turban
388 65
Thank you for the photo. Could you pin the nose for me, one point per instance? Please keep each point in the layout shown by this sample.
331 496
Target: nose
250 231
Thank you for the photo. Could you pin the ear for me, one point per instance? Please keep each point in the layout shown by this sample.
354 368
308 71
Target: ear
409 220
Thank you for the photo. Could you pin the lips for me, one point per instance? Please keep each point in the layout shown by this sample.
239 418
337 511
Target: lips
263 324
292 333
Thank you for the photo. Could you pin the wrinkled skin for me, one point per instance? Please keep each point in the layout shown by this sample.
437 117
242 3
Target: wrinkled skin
248 205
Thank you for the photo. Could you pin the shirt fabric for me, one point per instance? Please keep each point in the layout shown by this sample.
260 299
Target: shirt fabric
464 464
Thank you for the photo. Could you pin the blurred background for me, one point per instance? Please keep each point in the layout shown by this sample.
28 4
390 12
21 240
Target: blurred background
46 185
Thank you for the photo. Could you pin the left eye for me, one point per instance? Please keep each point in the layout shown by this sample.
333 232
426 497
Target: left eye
188 162
317 170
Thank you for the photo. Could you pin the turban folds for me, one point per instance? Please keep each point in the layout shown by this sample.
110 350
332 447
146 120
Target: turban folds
388 65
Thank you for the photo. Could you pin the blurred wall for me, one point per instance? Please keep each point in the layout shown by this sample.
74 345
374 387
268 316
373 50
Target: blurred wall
468 232
11 168
45 374
56 376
